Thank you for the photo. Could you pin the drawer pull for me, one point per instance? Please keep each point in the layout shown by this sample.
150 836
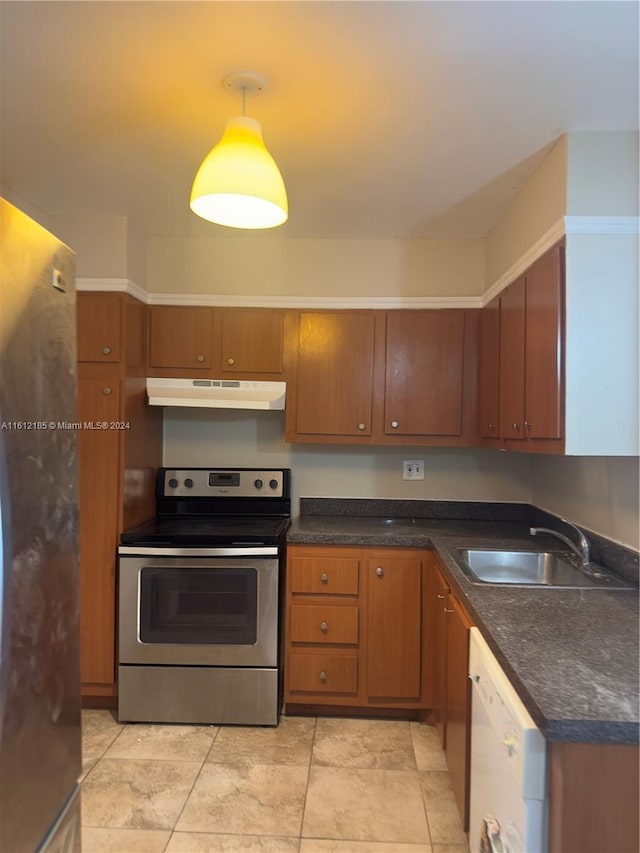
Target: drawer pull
106 350
231 361
324 627
106 391
380 572
324 577
200 358
323 676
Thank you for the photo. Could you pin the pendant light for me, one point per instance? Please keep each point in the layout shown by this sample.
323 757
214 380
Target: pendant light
238 183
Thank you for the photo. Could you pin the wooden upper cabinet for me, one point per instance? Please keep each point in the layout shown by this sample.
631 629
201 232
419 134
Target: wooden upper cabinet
181 337
334 386
394 628
543 379
251 341
531 353
99 326
424 373
490 369
512 349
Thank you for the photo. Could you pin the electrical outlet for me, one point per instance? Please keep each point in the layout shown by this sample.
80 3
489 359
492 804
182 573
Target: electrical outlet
413 469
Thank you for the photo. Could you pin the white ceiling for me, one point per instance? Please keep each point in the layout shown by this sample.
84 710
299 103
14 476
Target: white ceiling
387 119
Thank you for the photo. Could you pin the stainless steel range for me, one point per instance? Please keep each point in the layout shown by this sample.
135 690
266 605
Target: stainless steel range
201 588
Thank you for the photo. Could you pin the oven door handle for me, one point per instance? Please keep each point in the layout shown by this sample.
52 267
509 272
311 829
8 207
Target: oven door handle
237 551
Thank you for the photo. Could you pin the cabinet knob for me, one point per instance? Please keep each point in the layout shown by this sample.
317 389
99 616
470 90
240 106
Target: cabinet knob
106 390
324 577
491 426
515 426
361 426
441 597
394 424
106 350
380 572
527 425
324 627
323 676
231 361
449 611
200 358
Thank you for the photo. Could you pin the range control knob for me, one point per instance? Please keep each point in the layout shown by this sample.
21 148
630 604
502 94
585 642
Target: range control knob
258 484
173 483
188 482
274 484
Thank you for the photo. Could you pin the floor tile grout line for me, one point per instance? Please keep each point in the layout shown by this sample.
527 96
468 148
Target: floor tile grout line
306 790
197 776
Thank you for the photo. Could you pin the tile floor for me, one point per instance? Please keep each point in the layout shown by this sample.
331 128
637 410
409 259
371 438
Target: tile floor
309 786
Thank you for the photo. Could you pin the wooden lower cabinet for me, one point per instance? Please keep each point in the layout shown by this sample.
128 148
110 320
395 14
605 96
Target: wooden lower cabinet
354 626
448 689
457 746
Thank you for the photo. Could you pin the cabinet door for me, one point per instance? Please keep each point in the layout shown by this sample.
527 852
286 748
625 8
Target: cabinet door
490 369
424 373
99 462
458 706
98 322
334 384
394 628
512 332
180 337
437 648
543 348
251 341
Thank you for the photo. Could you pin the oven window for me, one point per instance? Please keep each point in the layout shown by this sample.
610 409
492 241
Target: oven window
199 606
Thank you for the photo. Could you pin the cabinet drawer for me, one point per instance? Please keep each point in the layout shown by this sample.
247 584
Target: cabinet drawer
327 575
323 673
324 623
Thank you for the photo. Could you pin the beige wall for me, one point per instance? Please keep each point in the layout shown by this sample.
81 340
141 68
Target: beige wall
540 203
193 437
99 241
36 213
256 266
136 254
600 493
602 174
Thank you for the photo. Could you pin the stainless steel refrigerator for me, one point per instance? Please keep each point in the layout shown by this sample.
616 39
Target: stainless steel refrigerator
40 741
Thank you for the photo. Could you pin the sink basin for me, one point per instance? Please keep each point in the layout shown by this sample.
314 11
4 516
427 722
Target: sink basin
533 568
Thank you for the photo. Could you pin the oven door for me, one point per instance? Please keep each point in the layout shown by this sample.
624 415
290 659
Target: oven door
201 611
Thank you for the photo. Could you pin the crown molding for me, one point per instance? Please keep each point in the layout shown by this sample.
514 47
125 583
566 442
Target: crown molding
115 285
308 302
602 225
551 236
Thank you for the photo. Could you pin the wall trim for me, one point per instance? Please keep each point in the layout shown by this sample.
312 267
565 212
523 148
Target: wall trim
602 224
567 225
309 302
118 285
551 236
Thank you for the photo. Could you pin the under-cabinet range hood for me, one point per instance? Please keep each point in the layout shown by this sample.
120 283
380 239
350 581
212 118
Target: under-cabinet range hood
216 393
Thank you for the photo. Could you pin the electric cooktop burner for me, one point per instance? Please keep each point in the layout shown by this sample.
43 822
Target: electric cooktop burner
200 507
227 530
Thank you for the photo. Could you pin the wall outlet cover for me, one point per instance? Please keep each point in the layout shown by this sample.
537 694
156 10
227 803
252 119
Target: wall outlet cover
413 469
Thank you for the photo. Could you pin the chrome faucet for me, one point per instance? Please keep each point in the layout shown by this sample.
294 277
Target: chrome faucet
582 549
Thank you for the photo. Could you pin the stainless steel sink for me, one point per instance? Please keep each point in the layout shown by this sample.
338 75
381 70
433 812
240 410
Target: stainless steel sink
533 568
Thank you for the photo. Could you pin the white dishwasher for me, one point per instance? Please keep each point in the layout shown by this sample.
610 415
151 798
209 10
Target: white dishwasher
508 811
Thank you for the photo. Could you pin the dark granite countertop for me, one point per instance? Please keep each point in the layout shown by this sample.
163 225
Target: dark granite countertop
571 654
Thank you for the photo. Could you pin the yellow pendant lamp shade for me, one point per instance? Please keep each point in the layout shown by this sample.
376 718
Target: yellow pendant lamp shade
239 183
